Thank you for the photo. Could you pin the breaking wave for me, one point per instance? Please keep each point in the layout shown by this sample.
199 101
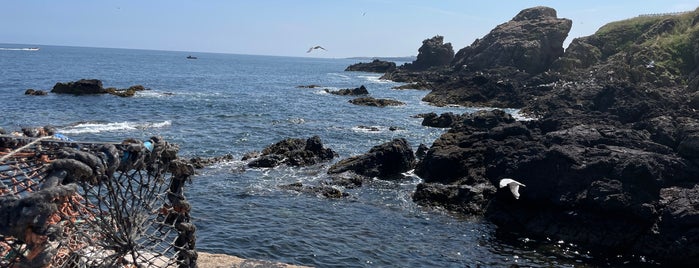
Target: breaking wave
96 127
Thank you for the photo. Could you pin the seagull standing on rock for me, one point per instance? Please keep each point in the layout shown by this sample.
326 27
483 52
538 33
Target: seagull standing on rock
513 184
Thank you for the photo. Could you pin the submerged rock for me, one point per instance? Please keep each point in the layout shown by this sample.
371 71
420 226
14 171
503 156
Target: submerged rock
34 92
371 101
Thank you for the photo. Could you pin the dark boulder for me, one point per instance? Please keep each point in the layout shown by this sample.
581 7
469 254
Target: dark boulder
376 66
433 53
370 101
350 91
531 41
80 87
385 161
294 152
444 120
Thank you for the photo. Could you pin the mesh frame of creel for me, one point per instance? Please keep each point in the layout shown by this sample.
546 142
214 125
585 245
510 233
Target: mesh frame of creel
116 205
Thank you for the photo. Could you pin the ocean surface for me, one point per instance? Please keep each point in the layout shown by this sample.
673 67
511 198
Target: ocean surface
233 104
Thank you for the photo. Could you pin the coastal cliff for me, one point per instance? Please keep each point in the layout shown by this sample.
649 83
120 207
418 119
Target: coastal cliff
612 161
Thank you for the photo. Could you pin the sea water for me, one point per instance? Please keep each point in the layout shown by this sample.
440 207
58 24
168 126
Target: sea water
222 104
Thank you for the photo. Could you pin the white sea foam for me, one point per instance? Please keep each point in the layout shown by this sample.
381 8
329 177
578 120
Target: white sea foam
153 94
19 48
369 129
375 79
112 126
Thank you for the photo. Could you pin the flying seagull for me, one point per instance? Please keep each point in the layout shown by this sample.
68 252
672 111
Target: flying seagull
315 47
513 184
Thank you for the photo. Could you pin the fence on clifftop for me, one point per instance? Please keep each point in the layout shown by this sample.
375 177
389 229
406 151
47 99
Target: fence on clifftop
81 204
664 14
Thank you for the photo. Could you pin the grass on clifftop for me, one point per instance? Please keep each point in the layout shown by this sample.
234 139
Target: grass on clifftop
671 40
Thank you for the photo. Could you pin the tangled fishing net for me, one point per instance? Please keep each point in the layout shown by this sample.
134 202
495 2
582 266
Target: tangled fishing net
79 204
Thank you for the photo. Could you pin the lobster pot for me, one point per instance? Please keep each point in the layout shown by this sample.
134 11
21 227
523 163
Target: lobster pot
80 204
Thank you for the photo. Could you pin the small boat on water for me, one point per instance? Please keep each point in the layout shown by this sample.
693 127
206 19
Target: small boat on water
33 48
191 57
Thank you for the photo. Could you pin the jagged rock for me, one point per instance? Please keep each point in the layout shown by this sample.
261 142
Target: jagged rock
376 66
385 161
350 91
294 152
433 53
370 101
531 41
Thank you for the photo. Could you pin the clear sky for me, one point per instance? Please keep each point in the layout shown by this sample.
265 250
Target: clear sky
346 28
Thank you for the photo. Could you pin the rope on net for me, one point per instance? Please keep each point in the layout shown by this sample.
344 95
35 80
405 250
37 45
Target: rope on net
80 204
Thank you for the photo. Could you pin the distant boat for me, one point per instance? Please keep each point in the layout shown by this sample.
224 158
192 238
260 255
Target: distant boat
191 57
33 48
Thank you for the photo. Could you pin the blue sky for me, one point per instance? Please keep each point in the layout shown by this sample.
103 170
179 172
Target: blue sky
346 28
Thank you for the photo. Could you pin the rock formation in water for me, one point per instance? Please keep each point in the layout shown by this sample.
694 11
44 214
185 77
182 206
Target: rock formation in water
293 152
93 86
612 161
376 66
385 161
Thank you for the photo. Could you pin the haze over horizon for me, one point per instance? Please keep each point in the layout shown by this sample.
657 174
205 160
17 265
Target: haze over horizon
362 28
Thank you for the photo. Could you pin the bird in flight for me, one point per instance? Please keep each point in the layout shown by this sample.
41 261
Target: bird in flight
315 47
513 185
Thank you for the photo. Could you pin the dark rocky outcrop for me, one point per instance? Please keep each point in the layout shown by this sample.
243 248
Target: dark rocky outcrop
350 91
385 161
80 87
531 41
371 101
433 53
93 86
376 66
611 163
293 152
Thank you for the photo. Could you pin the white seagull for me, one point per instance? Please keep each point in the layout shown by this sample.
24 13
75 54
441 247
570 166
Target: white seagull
513 184
315 47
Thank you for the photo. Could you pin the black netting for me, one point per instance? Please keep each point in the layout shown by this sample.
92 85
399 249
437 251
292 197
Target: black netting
78 204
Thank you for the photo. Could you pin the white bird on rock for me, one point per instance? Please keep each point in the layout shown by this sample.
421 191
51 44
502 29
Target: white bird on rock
315 47
513 184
